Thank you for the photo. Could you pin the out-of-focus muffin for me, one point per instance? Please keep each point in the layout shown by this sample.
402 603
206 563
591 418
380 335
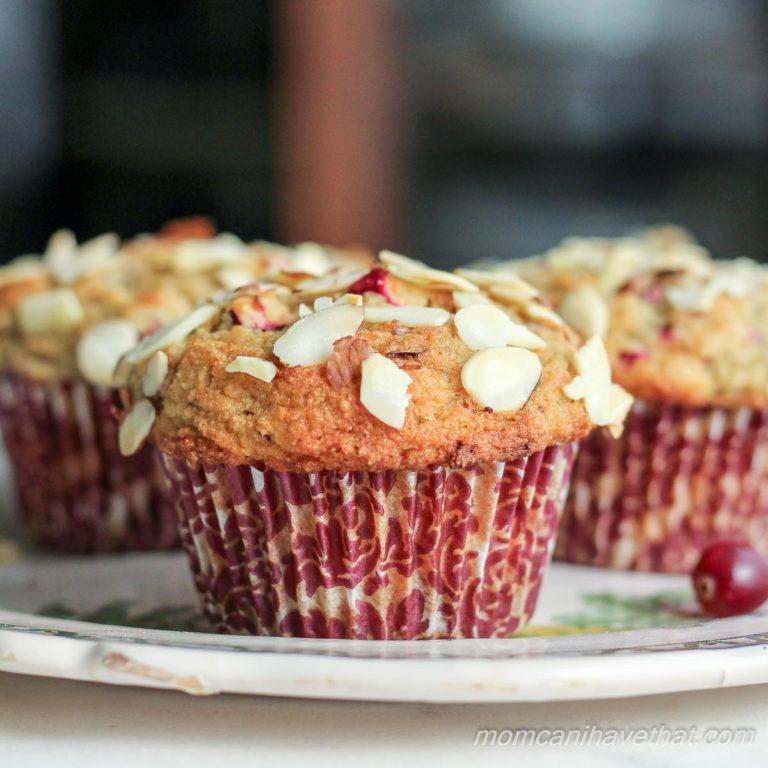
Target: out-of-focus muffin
687 335
66 317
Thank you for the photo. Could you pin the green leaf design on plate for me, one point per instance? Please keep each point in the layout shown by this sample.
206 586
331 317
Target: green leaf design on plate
611 611
123 613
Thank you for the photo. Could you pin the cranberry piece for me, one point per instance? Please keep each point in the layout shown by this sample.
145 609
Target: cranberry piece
630 357
250 312
667 332
376 281
730 579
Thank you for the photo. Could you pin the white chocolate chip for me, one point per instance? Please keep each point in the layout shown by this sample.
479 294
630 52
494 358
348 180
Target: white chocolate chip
501 378
416 272
155 373
499 278
384 390
310 340
605 402
50 312
253 366
136 427
101 347
412 317
171 333
586 310
462 299
483 326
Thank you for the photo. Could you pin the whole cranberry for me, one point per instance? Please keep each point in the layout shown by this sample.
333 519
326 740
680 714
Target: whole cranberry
730 579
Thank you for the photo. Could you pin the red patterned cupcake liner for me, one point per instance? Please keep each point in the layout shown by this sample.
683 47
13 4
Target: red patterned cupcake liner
436 553
77 492
676 481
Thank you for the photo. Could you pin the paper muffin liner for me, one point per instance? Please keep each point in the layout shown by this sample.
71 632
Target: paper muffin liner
435 553
77 492
677 480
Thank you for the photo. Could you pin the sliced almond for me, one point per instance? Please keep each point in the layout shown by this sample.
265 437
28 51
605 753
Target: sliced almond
690 297
253 366
533 309
412 317
233 278
333 282
462 299
483 326
542 314
419 273
322 302
304 310
578 253
350 298
171 333
193 256
50 312
384 390
499 278
501 378
22 269
586 310
155 373
136 427
593 384
620 404
67 262
101 347
310 258
626 259
310 341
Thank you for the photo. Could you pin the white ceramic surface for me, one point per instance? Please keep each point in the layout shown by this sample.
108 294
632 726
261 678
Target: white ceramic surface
663 649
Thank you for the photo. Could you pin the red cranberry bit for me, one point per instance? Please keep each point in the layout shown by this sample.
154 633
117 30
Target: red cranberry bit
630 357
250 312
376 281
667 332
730 579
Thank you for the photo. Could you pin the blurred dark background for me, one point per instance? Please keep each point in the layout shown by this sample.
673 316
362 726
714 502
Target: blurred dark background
449 130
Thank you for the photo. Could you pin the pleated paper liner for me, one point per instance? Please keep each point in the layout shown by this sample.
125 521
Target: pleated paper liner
436 553
678 480
77 492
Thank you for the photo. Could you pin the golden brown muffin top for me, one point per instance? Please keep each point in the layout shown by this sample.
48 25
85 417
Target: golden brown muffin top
402 366
74 310
679 326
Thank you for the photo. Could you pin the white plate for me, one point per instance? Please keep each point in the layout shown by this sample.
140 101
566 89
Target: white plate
658 648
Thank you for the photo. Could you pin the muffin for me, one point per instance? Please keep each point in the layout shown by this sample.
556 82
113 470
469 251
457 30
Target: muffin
65 319
687 335
382 456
